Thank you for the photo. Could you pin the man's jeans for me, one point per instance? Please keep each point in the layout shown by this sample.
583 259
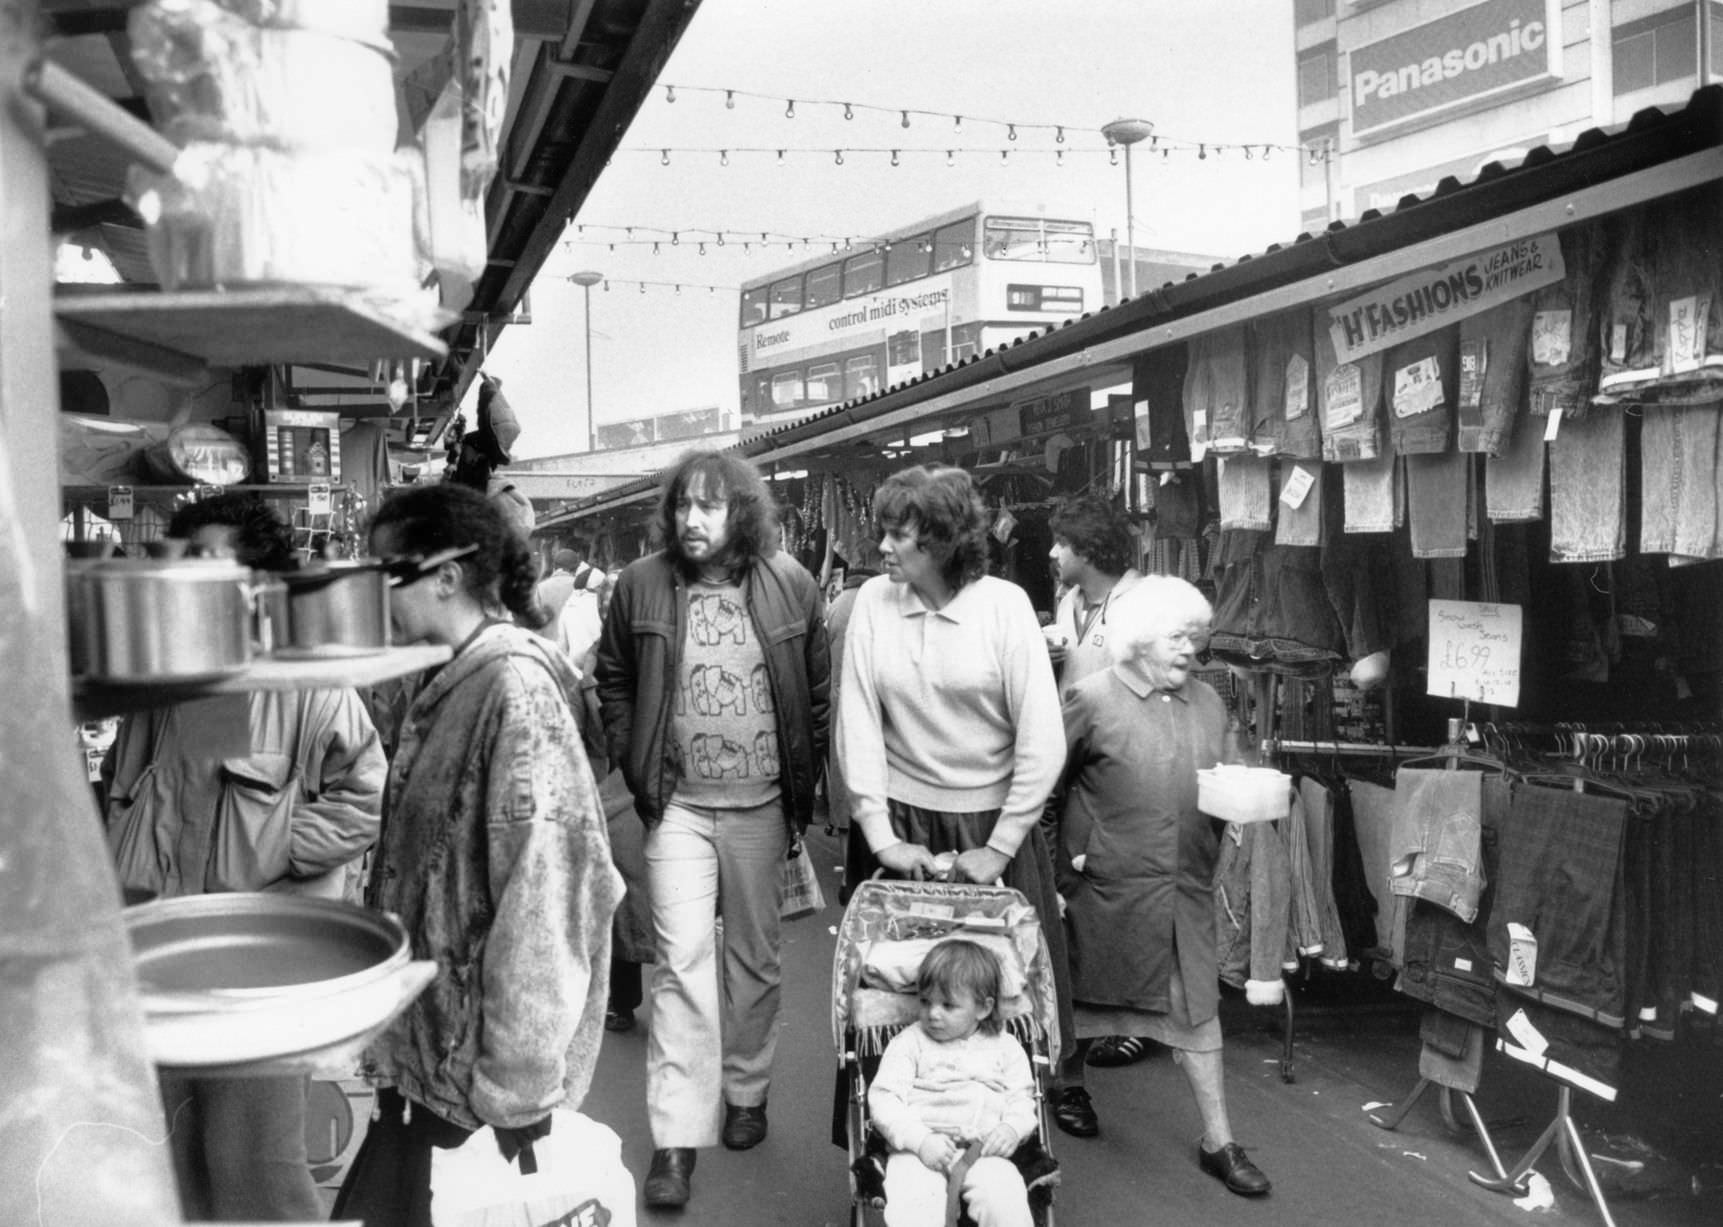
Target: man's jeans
1437 850
714 1021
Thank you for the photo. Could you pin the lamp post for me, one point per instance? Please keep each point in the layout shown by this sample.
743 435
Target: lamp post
586 280
1128 132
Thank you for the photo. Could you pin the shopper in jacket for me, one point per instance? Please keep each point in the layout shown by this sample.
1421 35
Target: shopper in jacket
712 675
948 726
494 856
1091 559
291 807
1137 859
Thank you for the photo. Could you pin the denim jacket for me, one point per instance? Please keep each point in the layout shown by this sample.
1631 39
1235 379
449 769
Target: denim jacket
495 856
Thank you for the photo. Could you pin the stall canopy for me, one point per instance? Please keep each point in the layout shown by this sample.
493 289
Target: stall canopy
581 69
1655 155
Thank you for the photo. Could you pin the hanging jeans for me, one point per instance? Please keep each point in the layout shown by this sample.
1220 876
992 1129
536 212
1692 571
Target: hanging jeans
1588 513
1514 480
1563 349
1216 409
1492 375
1283 387
1679 449
1420 383
1436 852
1562 878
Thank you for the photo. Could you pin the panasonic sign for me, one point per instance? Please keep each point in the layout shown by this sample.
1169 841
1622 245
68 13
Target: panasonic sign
1451 61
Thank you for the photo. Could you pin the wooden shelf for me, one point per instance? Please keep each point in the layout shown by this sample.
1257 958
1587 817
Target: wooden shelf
96 700
243 327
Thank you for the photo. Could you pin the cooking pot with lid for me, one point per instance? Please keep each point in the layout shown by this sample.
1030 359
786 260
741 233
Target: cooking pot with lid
153 619
336 609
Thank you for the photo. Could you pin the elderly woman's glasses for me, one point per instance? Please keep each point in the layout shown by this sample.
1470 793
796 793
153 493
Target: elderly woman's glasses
404 569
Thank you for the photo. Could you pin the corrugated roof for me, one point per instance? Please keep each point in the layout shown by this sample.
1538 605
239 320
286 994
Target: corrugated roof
1651 139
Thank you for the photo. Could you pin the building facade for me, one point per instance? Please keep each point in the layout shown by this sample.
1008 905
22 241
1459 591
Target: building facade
1394 95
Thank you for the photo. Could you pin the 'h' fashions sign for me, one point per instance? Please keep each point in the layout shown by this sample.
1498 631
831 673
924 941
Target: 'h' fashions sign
1455 59
1433 298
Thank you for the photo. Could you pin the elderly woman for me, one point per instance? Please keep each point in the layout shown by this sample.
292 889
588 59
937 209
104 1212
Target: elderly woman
948 716
1137 859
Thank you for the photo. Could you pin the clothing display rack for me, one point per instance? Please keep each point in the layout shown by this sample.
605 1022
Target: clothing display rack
1455 751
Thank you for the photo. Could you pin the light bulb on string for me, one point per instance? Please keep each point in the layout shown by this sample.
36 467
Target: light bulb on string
675 238
894 157
839 154
959 126
664 157
723 157
670 93
950 158
720 238
1011 132
1202 153
729 100
654 246
1058 157
1112 154
848 113
1003 155
1058 136
701 250
790 111
906 119
780 157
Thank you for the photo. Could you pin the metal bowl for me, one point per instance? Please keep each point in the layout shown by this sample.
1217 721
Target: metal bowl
267 984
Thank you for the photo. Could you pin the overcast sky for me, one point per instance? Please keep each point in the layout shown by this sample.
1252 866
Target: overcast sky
1208 72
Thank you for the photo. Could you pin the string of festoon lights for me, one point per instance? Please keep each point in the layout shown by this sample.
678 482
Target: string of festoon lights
700 239
675 287
916 117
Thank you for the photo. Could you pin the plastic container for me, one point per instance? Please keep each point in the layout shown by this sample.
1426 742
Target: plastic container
1244 794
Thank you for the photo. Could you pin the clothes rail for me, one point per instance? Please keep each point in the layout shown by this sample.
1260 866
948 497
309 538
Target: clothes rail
1283 745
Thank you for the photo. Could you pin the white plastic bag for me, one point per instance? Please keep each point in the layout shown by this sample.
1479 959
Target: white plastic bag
580 1182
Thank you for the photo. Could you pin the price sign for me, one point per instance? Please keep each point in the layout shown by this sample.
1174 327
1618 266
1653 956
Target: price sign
120 502
1475 652
318 498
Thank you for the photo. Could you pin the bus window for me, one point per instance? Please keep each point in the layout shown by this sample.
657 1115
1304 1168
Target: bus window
754 306
904 348
824 384
1011 238
786 389
907 259
786 296
1070 243
825 286
861 377
953 245
762 399
863 274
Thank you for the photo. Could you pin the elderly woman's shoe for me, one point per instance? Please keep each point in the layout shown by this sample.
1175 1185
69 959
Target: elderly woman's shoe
1232 1166
1074 1112
667 1179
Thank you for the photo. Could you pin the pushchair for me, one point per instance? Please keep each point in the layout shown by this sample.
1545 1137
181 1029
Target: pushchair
886 929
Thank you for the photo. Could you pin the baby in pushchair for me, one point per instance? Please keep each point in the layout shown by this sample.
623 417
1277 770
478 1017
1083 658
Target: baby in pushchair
956 1106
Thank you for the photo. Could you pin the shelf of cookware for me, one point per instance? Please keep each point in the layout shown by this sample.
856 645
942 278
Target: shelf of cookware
93 700
181 334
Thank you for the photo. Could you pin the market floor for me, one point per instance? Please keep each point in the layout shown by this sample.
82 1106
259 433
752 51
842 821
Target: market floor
1312 1136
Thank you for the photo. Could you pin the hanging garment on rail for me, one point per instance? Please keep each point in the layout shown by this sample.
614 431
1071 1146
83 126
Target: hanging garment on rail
1421 382
1436 853
1562 880
1680 455
1564 345
1373 809
1298 513
1372 495
1216 395
1271 609
1492 388
1253 905
1663 321
1514 479
1349 395
1447 960
1158 379
1310 843
1283 418
1357 573
1439 499
1245 497
1588 512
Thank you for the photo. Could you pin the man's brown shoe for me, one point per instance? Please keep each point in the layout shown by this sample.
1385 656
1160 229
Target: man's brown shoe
744 1128
667 1179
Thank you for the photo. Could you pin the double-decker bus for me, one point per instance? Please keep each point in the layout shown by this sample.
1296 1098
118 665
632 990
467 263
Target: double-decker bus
831 329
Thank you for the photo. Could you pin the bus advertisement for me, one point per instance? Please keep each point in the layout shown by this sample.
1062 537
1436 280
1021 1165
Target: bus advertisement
923 297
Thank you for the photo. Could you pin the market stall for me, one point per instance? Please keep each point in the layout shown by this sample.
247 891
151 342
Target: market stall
266 222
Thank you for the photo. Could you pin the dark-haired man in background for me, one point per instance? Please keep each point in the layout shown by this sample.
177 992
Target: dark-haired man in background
712 676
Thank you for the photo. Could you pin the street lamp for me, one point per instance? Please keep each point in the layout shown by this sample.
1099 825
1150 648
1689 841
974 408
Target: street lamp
586 280
1128 132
